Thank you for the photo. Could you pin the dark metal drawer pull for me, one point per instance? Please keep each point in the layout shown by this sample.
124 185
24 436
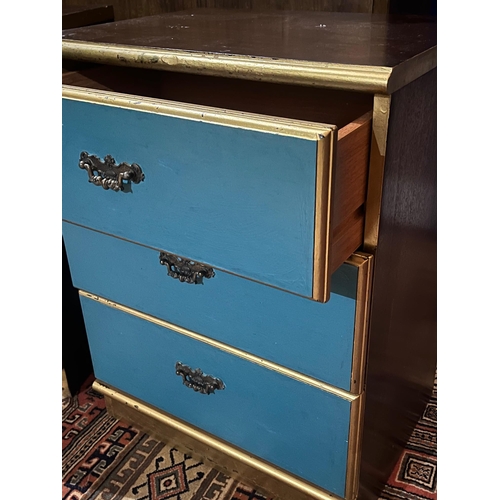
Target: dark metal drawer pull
197 380
108 174
185 270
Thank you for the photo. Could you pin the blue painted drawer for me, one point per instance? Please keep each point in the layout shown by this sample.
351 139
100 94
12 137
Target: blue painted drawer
244 193
139 358
315 339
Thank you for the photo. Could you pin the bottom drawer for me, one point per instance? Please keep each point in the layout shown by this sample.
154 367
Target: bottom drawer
293 425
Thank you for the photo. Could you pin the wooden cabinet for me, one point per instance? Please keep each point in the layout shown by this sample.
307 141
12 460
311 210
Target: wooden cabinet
249 215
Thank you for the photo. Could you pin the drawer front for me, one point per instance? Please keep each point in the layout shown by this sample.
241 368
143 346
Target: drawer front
249 196
314 339
139 358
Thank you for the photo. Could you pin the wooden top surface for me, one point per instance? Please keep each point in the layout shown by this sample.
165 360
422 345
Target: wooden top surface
372 44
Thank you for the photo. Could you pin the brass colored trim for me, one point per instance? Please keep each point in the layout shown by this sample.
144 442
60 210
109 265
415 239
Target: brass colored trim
354 447
281 485
372 79
380 128
339 76
359 352
226 348
324 181
238 119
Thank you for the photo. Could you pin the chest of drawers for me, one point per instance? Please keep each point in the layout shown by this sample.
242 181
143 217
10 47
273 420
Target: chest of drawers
249 215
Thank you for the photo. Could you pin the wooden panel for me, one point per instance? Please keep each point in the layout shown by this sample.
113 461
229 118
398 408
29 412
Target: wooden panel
134 81
127 9
426 7
74 17
402 345
351 174
345 236
329 37
312 440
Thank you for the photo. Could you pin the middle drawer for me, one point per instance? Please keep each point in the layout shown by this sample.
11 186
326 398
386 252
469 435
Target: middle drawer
324 341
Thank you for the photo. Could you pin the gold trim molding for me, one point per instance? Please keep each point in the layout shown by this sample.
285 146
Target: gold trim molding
238 119
354 447
373 79
361 318
380 131
325 165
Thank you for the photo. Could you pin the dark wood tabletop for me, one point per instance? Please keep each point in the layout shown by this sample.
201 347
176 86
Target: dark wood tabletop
363 52
331 37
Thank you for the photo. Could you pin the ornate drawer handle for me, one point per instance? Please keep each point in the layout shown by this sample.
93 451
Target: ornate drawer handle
107 173
197 380
185 270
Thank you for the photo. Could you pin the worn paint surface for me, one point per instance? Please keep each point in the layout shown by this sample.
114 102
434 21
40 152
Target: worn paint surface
291 424
306 336
239 200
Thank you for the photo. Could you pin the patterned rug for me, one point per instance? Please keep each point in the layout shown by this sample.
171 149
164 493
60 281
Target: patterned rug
107 459
415 474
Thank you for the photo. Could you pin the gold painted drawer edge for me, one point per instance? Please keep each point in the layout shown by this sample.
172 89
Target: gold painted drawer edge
361 320
229 118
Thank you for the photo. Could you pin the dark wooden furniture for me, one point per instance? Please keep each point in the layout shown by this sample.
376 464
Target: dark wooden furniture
373 80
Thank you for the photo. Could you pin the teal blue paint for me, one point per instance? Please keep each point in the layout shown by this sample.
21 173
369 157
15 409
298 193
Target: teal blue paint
345 282
312 338
239 200
293 425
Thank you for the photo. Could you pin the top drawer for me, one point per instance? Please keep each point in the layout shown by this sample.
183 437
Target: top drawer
245 193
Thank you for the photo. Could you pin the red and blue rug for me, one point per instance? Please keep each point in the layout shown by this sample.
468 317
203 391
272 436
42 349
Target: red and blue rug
107 459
